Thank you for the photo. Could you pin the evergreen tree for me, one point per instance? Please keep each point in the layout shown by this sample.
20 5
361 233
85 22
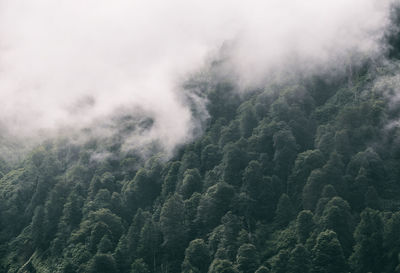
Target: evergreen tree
305 163
299 261
337 217
105 245
313 188
247 259
368 254
38 228
210 157
285 147
221 266
191 183
173 229
328 255
280 262
103 263
391 243
372 198
263 269
139 266
197 257
284 211
304 225
122 256
214 204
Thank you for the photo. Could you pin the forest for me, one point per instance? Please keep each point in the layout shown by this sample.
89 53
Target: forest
299 176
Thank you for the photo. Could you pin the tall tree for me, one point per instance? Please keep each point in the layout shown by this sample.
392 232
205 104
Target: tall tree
368 251
247 260
197 257
103 263
300 260
284 211
304 225
38 228
328 254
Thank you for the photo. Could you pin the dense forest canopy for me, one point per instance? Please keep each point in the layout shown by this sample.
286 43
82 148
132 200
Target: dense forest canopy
299 175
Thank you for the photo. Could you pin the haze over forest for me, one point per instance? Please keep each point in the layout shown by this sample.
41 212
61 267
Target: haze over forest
74 64
199 136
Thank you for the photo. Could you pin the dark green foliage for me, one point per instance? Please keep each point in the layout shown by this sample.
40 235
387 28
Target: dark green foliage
103 263
38 228
197 257
142 190
300 260
304 164
173 230
328 192
139 266
280 262
337 217
263 269
331 173
247 259
234 161
312 189
150 240
170 179
258 193
284 211
229 134
276 183
69 268
72 213
392 35
99 231
228 240
122 255
372 198
210 157
398 266
392 242
223 101
328 255
247 119
285 147
368 250
304 225
221 266
215 203
191 183
105 245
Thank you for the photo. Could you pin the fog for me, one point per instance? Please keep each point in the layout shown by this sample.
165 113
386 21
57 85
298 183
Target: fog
70 64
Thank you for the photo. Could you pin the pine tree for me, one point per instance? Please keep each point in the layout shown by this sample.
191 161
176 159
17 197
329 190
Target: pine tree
328 254
368 251
280 262
221 266
38 227
247 260
284 211
304 225
299 261
139 266
103 263
197 257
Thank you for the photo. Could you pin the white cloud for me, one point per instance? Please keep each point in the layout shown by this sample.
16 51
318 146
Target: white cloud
70 62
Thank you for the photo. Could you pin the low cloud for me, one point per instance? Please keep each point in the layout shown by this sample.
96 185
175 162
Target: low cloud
71 64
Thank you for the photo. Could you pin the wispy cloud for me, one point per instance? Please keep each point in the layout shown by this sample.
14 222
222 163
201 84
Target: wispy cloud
70 63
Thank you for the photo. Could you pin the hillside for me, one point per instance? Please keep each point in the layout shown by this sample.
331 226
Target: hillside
300 176
287 170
